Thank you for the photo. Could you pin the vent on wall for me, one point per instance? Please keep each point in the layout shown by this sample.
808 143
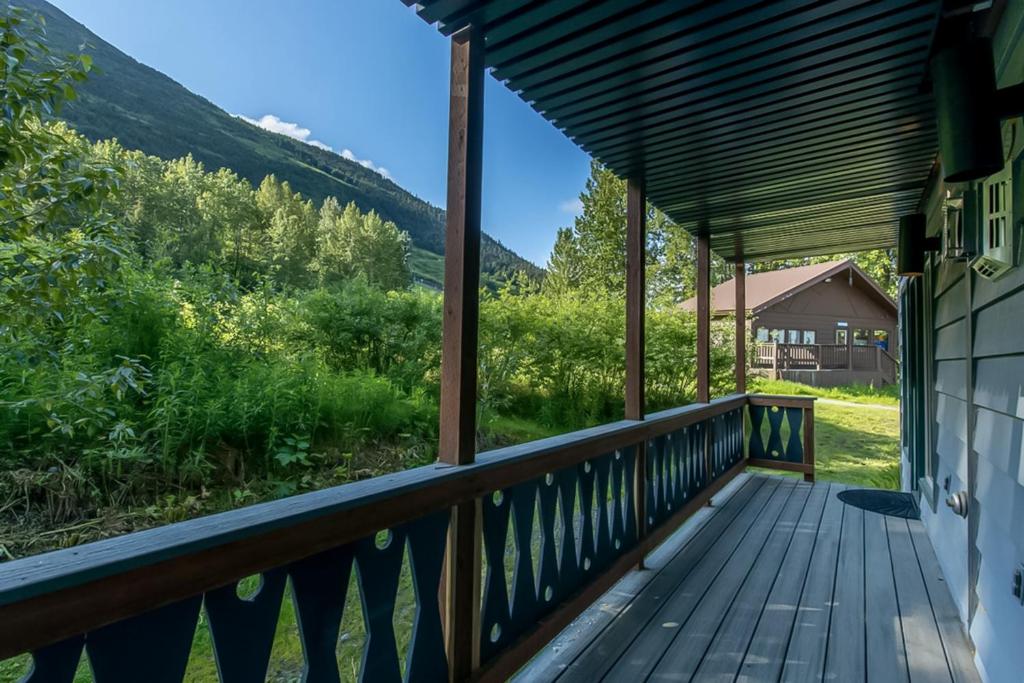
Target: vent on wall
998 234
957 245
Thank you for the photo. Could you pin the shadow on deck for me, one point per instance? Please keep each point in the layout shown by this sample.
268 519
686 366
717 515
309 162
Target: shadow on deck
779 581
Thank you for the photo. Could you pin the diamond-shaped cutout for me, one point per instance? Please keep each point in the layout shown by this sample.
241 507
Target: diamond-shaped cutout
201 663
558 531
536 538
508 567
352 637
765 430
405 612
16 668
784 431
286 658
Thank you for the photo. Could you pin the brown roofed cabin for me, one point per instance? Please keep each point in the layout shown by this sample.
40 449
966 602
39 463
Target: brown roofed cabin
825 324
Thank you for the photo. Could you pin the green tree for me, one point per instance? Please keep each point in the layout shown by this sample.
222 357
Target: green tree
291 229
591 255
61 248
352 244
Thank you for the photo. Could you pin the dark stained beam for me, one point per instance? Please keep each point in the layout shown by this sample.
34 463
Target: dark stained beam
636 305
462 251
461 589
636 299
703 318
741 327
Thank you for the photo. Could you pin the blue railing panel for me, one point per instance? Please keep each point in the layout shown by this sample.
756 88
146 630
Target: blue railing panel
156 646
570 525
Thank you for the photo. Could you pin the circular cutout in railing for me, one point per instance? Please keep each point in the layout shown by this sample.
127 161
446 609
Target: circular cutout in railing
891 503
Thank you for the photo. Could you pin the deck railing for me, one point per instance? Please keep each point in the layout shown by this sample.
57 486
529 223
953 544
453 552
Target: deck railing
780 357
559 524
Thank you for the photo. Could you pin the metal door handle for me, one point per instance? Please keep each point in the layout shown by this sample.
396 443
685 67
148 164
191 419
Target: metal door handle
958 503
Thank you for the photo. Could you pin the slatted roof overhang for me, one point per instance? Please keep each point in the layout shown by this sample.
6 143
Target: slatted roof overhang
790 127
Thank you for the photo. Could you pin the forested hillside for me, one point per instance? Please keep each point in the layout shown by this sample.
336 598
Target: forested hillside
146 110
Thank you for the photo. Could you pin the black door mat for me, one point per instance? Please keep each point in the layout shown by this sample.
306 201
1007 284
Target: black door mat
891 503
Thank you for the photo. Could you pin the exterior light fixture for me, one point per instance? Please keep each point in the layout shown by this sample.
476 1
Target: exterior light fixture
969 108
912 244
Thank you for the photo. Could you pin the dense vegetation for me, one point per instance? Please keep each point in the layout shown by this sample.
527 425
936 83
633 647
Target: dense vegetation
146 110
170 334
175 340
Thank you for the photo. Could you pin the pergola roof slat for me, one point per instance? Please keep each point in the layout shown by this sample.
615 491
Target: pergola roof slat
777 126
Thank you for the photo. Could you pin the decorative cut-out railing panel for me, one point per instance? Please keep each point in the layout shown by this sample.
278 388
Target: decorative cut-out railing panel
565 527
157 645
782 433
677 470
352 577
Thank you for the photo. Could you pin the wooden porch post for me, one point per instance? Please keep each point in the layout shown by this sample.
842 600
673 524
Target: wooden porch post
741 326
703 318
636 303
459 344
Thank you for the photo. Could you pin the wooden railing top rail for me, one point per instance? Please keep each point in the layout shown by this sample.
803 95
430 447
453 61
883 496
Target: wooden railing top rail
781 401
69 591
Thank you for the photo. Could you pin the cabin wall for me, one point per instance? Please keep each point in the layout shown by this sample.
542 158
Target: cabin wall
822 306
974 416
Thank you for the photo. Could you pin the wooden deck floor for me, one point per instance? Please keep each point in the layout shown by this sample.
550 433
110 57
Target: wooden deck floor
780 581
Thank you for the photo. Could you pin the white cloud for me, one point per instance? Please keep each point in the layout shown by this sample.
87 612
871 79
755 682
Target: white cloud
293 130
366 163
571 206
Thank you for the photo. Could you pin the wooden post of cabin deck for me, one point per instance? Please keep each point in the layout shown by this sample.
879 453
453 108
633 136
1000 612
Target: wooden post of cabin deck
459 344
704 339
703 318
741 327
636 303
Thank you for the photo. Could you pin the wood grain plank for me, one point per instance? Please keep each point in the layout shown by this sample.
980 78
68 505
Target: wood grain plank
703 318
766 651
745 579
805 656
886 655
636 309
725 528
658 637
725 655
926 659
462 249
636 297
741 326
947 617
577 636
845 656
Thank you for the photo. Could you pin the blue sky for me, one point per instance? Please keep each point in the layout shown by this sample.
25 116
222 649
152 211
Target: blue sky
367 76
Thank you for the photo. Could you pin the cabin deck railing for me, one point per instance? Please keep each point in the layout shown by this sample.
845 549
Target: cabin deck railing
558 525
779 357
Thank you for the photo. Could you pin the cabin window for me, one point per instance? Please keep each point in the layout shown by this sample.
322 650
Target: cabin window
792 336
881 338
762 334
809 336
841 337
776 336
861 337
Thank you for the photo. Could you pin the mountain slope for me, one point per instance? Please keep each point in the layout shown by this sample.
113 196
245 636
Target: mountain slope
146 110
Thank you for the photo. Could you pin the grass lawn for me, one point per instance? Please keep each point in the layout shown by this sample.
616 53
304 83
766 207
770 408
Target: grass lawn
854 393
857 445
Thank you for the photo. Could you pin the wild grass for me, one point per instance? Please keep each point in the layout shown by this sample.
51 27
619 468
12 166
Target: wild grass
854 393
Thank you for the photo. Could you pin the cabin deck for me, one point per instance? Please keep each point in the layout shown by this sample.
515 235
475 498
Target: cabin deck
780 580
